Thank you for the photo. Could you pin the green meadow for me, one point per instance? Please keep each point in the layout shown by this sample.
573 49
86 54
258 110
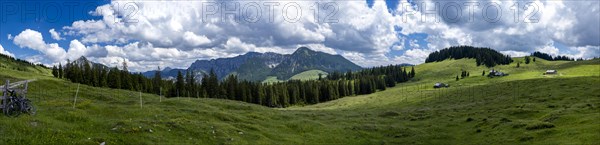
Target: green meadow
525 107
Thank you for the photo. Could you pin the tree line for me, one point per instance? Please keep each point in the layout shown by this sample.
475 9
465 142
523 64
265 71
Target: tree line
550 58
482 56
279 94
101 76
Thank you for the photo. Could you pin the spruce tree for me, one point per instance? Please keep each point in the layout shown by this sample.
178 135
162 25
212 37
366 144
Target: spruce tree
156 81
87 74
104 78
126 82
95 77
188 83
60 71
212 85
114 78
54 71
179 84
192 84
78 73
412 72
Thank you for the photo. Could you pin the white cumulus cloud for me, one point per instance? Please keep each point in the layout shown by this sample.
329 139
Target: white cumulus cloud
5 52
175 33
33 39
194 40
55 35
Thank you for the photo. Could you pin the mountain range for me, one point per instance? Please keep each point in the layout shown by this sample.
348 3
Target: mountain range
254 66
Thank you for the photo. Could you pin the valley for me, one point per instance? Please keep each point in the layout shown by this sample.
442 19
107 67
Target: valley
525 107
299 72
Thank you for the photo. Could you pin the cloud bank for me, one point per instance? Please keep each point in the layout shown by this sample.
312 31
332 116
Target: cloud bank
175 33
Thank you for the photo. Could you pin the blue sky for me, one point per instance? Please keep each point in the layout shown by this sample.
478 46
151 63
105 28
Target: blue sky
41 16
147 34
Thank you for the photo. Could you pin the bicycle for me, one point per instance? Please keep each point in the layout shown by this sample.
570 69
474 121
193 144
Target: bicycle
16 105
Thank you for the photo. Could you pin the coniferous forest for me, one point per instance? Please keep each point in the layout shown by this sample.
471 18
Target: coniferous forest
550 58
483 56
282 94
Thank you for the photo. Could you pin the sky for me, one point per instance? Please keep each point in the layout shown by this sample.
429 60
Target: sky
147 34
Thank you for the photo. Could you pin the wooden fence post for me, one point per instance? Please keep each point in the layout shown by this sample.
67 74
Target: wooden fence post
76 93
4 96
141 103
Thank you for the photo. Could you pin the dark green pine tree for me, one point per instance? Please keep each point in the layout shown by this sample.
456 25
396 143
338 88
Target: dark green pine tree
104 77
519 64
380 83
270 99
456 77
533 59
527 59
179 84
126 81
55 71
67 71
349 75
60 71
389 81
204 85
188 84
412 72
483 73
258 94
192 84
156 81
95 76
404 75
87 74
78 74
211 85
357 87
230 84
114 78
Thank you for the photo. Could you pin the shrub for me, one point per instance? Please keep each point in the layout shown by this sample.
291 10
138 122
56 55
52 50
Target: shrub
525 138
540 125
469 119
389 114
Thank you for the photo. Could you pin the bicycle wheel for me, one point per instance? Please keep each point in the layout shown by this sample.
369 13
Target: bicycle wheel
29 108
12 109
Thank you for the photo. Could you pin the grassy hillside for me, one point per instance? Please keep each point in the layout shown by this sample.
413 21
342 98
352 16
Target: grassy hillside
522 108
306 75
9 63
305 59
446 71
15 71
309 75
